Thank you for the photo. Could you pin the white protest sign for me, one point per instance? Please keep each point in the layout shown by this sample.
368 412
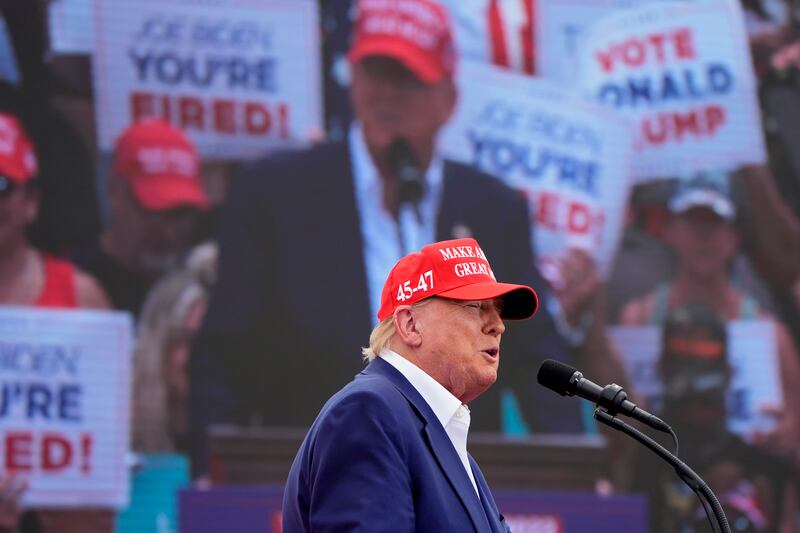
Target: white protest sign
65 404
238 76
71 25
571 158
683 73
752 354
561 29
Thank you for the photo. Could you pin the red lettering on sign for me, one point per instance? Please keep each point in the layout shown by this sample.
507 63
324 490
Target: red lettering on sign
283 121
547 210
555 213
684 44
655 47
257 118
216 115
56 452
48 452
18 452
675 126
224 117
578 218
191 114
142 105
86 453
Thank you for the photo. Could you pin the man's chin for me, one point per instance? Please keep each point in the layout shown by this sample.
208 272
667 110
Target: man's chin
379 138
157 265
488 380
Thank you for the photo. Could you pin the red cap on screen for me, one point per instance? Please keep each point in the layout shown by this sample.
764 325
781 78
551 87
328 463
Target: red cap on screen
415 32
456 269
161 166
17 160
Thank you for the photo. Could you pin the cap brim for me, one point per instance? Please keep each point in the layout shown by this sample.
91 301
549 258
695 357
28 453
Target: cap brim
720 205
406 53
169 192
723 211
520 301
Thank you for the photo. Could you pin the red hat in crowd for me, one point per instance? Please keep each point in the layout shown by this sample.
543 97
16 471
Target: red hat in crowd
415 32
161 166
456 269
17 158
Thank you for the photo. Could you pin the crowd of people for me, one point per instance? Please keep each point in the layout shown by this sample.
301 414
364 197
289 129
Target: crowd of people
251 306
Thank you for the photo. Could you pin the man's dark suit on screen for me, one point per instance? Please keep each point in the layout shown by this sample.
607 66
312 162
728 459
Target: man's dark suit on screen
290 246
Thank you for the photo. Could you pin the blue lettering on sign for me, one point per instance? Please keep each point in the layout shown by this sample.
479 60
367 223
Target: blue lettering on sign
170 68
503 157
671 86
241 35
500 115
41 401
43 359
162 30
560 131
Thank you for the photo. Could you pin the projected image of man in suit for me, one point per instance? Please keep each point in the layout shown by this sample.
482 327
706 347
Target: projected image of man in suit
306 229
401 102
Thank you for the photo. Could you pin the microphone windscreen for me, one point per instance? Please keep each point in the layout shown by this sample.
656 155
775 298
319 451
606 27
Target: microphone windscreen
410 177
555 376
401 156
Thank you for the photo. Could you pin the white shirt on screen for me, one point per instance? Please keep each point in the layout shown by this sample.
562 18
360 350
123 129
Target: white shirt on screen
380 233
452 414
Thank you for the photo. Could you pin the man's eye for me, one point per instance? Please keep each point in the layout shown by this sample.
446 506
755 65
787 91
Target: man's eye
474 305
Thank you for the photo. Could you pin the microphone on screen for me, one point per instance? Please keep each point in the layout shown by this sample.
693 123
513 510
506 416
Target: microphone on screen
411 180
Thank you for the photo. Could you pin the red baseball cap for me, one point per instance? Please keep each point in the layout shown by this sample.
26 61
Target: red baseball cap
17 159
456 269
415 32
161 166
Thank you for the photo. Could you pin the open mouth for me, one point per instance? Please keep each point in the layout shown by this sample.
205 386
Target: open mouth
492 353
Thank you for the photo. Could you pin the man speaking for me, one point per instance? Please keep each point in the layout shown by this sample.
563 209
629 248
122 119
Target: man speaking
388 452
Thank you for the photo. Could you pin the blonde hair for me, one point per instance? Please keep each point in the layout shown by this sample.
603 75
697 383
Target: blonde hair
379 339
160 328
382 334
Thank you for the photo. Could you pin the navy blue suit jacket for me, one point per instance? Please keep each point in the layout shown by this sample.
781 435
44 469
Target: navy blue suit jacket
290 308
377 460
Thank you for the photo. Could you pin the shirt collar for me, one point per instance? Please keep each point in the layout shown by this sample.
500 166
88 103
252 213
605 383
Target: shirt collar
366 175
440 400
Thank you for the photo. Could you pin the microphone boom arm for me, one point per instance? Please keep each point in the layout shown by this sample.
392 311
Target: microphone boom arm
687 475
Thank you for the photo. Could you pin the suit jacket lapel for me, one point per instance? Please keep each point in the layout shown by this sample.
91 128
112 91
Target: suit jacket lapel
449 219
454 470
439 442
487 500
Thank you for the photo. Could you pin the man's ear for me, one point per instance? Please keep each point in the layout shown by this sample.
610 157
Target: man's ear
406 323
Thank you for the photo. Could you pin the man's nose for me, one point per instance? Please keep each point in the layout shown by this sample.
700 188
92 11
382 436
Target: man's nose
494 324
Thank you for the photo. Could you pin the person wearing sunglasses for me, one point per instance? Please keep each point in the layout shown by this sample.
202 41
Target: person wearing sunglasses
28 276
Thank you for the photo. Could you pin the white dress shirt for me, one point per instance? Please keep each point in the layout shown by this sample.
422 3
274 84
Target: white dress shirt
380 233
452 414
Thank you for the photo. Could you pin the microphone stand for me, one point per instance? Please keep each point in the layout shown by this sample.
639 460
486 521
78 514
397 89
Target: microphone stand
719 523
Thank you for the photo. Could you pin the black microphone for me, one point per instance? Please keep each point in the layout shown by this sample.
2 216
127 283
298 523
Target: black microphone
411 181
567 381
